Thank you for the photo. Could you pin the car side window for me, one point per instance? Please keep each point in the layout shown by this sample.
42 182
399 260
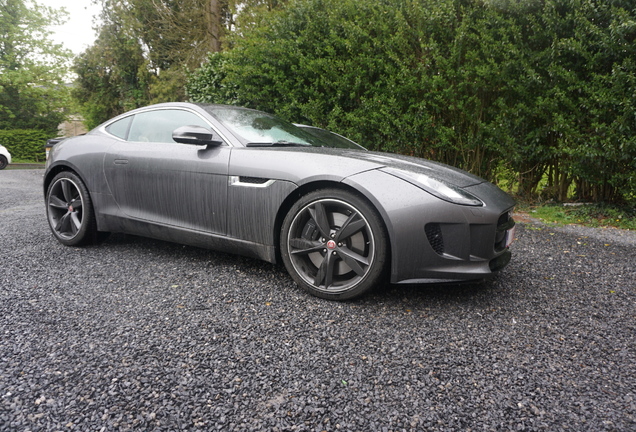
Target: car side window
120 127
158 125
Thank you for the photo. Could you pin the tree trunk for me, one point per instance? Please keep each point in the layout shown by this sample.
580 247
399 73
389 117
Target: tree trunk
215 26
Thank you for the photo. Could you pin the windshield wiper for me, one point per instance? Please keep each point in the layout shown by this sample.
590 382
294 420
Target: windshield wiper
277 144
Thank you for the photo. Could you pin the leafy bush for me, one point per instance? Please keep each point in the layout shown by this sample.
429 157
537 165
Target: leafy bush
543 88
26 144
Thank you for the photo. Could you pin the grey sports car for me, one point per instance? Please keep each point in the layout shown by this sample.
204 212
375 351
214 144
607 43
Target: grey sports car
340 218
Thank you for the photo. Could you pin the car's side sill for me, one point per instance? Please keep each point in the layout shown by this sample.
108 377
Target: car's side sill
191 237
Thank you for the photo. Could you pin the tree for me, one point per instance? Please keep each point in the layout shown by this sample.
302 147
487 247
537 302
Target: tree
113 75
179 35
32 68
146 48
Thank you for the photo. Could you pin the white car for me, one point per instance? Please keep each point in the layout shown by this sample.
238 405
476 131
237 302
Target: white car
5 157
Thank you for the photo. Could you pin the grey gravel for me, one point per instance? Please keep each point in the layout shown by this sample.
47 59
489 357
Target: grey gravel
137 334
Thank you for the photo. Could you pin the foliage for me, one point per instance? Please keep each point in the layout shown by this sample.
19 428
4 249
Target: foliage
146 47
575 101
25 144
175 32
368 69
112 75
32 68
543 88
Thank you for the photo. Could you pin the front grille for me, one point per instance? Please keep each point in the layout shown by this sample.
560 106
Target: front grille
504 223
435 238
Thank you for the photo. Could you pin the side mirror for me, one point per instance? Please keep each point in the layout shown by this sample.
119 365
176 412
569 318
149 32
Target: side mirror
196 135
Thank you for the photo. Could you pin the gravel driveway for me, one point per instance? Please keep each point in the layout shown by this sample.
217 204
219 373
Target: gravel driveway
137 334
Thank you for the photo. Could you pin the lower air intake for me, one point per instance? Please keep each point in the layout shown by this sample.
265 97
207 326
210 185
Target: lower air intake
435 238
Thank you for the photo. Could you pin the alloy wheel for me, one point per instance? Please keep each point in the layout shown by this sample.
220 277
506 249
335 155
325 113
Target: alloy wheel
65 208
331 245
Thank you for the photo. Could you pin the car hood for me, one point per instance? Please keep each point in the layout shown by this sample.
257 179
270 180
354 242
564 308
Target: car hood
302 164
439 171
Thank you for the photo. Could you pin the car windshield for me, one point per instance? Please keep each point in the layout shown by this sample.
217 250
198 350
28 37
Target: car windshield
332 139
256 128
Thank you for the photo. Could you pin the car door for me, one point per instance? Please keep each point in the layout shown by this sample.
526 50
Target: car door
153 178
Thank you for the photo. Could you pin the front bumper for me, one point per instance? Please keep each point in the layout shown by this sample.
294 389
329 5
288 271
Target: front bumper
433 240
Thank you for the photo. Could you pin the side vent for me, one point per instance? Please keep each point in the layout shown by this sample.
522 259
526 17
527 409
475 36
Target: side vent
253 180
250 182
435 238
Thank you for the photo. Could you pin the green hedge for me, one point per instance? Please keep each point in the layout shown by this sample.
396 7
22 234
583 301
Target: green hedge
540 91
26 144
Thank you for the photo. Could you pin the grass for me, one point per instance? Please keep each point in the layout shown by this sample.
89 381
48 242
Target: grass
28 161
24 164
594 215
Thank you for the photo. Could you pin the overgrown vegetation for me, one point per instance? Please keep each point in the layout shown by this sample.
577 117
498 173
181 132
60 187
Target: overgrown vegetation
541 89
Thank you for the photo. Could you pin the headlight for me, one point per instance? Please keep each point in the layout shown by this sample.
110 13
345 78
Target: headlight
439 188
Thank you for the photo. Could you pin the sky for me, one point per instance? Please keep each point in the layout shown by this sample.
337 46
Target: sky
77 34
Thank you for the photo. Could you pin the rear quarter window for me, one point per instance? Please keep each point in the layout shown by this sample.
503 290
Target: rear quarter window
120 127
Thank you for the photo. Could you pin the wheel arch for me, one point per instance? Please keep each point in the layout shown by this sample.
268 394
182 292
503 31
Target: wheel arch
307 188
55 170
68 167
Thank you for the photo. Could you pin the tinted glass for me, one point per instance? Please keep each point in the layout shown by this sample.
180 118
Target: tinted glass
120 127
158 125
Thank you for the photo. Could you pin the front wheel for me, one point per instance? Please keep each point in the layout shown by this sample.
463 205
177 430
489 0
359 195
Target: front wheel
69 210
334 245
3 162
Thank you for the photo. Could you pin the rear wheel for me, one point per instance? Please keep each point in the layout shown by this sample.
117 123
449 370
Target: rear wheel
3 162
333 244
70 211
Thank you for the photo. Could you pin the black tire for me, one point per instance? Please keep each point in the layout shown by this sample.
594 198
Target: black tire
69 210
334 245
3 162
